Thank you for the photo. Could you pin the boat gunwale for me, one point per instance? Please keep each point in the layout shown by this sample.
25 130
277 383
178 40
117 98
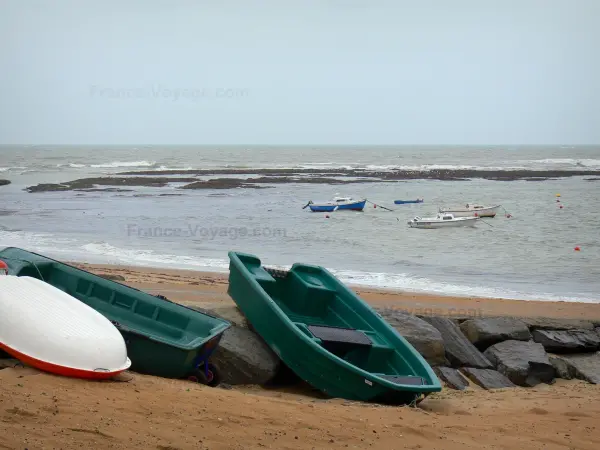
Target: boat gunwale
192 345
425 388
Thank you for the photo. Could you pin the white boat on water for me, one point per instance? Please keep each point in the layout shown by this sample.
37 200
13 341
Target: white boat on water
443 220
472 210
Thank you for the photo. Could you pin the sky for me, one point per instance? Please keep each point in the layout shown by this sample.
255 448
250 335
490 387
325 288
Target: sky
250 72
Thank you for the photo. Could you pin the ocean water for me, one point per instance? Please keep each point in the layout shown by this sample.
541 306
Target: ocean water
528 256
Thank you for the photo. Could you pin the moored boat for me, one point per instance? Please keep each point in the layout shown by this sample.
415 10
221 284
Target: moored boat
50 330
328 335
338 203
163 338
445 220
404 202
472 210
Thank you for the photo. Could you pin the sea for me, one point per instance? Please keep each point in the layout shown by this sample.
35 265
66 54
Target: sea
526 252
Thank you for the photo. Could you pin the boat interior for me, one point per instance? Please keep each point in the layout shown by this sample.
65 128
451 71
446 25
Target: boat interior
129 309
308 296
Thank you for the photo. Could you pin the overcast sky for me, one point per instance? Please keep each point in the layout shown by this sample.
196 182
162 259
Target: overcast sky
300 72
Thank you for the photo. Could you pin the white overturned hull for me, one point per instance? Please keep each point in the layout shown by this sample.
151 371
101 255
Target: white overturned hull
47 328
449 224
472 212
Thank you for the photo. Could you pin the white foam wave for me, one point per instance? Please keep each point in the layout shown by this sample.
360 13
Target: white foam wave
11 168
103 252
117 164
568 162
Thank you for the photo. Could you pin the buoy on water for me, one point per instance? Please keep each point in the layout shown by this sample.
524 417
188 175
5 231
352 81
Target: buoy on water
577 249
557 201
3 268
508 215
560 207
327 216
558 195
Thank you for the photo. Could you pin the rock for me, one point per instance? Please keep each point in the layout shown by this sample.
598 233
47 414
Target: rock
112 277
92 183
523 363
581 367
242 356
4 182
545 323
567 341
459 351
484 332
487 378
9 362
425 338
452 377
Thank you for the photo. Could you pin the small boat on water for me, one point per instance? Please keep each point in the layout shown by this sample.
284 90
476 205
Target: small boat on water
338 203
50 330
445 220
328 335
472 210
404 202
163 338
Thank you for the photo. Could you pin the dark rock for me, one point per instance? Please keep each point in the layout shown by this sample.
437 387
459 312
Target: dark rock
92 183
487 378
242 356
582 367
9 362
484 332
546 323
425 338
452 377
112 277
523 363
567 341
441 174
459 351
4 182
221 183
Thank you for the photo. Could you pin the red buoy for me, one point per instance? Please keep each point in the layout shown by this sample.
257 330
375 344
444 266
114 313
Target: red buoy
327 216
508 216
374 206
560 206
577 249
3 268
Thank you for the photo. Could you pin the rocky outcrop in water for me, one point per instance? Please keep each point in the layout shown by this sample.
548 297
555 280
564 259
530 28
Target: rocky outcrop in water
395 175
4 182
93 183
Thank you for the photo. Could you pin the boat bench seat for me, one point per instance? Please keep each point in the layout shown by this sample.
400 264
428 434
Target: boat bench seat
403 379
337 336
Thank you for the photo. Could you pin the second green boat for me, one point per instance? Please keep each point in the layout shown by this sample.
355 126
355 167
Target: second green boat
327 334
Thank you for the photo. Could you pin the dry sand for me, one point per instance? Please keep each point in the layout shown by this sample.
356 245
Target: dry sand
41 411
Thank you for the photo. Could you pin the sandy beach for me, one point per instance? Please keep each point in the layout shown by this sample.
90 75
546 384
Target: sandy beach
138 411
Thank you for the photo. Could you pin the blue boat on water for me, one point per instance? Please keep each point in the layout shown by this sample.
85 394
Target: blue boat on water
338 203
403 202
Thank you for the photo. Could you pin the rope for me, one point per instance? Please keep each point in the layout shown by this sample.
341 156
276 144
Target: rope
26 262
368 201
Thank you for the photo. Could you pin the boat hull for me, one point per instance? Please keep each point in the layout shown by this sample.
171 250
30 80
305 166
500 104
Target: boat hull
162 338
469 222
404 202
302 298
50 330
356 206
483 212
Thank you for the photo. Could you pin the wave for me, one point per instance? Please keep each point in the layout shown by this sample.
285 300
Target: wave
12 168
102 252
117 164
577 163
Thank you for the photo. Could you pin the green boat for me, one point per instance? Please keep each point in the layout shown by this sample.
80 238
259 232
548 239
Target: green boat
327 334
163 338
